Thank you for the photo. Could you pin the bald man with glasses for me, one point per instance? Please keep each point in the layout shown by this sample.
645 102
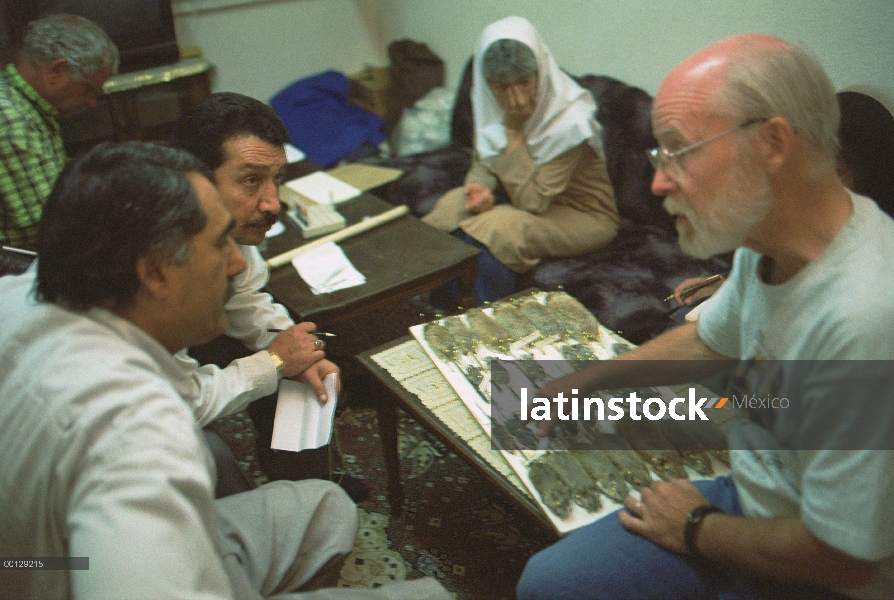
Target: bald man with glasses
746 161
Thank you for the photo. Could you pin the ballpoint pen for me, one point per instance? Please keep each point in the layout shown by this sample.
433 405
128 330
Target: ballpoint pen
20 251
320 333
694 288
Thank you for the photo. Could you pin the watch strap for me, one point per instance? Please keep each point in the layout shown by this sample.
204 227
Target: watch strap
693 522
278 363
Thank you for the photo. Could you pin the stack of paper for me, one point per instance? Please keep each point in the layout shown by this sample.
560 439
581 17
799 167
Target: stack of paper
365 177
323 188
327 269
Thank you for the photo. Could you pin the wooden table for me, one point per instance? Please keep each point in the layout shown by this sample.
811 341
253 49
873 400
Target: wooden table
400 259
410 402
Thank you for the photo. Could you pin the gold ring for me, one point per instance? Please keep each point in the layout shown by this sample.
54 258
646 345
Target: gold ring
318 344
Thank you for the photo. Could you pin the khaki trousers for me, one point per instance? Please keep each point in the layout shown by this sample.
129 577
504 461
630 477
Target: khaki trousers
288 539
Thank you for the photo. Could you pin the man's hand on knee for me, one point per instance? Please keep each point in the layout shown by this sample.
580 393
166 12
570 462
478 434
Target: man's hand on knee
661 514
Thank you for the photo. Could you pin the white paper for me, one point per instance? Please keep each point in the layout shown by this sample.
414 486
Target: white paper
323 188
327 269
293 154
302 422
276 229
693 314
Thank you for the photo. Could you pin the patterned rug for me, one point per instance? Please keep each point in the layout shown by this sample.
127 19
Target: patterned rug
456 526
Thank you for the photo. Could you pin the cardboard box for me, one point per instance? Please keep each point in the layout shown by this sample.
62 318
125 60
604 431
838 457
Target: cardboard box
369 90
365 177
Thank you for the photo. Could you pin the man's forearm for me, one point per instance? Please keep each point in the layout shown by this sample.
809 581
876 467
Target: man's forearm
675 357
688 359
213 392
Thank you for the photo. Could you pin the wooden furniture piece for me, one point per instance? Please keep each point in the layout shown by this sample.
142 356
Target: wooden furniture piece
476 449
140 105
400 259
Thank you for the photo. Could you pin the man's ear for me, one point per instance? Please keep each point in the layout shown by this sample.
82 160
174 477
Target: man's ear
57 72
778 143
155 276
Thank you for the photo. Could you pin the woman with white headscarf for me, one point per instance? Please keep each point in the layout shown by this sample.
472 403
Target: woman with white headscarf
538 187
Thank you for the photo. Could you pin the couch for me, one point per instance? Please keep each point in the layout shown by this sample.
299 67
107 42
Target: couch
623 284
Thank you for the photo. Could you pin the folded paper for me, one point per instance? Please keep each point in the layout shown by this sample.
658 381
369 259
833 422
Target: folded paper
327 269
302 422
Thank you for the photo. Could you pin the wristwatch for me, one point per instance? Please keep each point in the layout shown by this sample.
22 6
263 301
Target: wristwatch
278 363
693 521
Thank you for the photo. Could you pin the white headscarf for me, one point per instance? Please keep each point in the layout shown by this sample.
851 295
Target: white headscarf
565 112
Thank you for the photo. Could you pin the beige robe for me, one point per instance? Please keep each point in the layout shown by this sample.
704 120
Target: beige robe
565 207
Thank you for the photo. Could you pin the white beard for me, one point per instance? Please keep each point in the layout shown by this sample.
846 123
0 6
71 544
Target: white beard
730 217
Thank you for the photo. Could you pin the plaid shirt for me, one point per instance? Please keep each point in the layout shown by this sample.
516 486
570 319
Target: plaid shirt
31 157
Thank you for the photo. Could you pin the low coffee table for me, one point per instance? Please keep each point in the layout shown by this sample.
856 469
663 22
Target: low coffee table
409 378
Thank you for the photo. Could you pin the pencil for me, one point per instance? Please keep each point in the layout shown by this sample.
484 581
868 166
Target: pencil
694 288
320 333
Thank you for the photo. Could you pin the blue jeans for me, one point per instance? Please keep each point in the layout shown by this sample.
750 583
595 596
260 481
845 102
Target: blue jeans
494 280
605 561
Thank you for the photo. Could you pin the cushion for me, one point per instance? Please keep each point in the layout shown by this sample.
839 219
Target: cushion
321 122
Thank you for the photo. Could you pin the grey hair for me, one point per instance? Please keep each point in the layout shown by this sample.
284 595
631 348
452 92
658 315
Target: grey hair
506 60
87 48
786 82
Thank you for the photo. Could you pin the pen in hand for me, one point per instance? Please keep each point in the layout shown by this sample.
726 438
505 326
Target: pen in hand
694 288
320 333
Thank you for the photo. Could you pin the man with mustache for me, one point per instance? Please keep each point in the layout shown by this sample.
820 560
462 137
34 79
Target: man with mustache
747 133
241 139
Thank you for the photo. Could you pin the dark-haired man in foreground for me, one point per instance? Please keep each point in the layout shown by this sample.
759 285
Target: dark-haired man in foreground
103 459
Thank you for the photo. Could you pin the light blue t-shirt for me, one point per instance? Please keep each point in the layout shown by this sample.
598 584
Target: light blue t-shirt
838 308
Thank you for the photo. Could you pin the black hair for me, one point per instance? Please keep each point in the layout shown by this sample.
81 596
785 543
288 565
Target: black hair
866 135
225 115
115 204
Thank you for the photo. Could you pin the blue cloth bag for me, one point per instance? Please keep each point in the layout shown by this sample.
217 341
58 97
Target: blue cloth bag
321 122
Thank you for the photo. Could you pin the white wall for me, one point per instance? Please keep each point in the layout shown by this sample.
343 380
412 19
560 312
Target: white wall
640 41
259 49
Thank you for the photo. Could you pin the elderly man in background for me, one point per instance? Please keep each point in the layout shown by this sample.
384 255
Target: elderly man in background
62 64
103 457
242 140
747 133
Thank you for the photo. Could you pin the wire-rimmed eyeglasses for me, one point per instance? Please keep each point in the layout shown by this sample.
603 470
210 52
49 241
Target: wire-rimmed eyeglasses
664 159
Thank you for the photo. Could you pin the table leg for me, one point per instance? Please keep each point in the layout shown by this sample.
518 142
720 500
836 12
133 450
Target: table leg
387 417
467 285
